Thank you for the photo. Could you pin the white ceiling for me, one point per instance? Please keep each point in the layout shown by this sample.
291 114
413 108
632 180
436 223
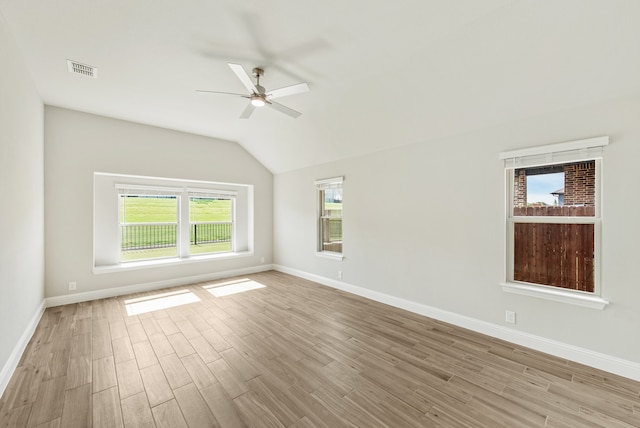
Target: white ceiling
382 73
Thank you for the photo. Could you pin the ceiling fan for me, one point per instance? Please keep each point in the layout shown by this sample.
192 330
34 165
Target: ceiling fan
258 96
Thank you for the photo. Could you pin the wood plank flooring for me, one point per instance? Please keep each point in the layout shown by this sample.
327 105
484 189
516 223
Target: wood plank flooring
291 354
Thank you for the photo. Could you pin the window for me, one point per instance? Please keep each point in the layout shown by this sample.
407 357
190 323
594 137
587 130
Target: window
148 225
554 221
210 223
148 221
329 194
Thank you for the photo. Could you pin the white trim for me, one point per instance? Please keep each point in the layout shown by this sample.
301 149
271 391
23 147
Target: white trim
12 362
169 179
555 148
211 193
611 364
137 288
330 255
124 188
170 261
327 183
556 294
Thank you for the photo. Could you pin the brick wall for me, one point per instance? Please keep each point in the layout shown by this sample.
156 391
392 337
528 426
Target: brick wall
520 188
580 183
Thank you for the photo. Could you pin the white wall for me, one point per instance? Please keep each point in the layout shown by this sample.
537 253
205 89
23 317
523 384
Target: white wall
425 223
79 144
22 213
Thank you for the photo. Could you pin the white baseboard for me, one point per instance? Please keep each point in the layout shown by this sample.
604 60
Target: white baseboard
149 286
598 360
18 350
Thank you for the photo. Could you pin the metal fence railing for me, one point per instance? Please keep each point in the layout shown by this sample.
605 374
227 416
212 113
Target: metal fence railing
205 233
138 236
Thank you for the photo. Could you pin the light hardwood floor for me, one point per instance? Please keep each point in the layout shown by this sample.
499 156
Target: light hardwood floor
292 354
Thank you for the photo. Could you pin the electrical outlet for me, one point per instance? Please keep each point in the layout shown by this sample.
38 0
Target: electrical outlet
510 317
339 274
72 285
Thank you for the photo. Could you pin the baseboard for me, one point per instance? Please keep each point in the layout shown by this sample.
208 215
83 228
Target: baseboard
149 286
590 358
18 350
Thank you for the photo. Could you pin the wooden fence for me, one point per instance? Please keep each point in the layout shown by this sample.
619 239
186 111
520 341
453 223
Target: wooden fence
552 211
559 255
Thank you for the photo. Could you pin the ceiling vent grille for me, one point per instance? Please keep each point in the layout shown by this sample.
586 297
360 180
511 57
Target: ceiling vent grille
82 69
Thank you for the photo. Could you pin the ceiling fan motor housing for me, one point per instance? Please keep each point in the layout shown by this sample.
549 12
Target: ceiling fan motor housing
258 95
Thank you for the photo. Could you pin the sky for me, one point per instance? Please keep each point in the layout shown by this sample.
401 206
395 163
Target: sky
539 187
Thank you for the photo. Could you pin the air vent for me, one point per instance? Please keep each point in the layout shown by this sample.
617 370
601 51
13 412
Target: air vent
82 69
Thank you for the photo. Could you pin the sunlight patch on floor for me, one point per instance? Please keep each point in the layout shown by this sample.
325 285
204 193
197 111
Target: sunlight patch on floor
233 287
158 302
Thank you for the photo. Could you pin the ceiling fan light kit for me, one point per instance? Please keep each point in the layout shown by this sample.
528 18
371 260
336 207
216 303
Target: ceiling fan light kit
257 101
258 96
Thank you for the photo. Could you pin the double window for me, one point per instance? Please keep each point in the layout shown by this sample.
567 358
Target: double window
140 218
151 224
329 194
554 221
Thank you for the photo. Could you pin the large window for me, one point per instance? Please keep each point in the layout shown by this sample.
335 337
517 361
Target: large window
329 194
151 226
147 221
554 218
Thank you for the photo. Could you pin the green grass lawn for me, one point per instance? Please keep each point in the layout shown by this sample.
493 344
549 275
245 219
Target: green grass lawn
161 210
210 210
148 210
333 206
156 253
165 210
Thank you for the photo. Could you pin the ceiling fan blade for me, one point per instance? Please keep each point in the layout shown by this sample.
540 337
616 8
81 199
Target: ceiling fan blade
218 92
247 111
244 77
284 109
288 90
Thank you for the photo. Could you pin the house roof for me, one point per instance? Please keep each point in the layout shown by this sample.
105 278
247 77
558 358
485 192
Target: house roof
558 192
382 74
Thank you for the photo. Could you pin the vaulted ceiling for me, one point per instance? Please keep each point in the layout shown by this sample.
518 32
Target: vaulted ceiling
382 73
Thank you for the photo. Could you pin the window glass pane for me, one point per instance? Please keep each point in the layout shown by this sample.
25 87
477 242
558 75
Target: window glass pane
149 227
555 190
211 225
331 220
560 255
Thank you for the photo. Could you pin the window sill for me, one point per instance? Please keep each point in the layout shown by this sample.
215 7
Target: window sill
330 255
173 261
557 295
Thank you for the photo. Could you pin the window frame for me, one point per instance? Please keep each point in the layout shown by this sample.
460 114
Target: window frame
121 224
321 186
212 194
183 215
106 219
555 154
